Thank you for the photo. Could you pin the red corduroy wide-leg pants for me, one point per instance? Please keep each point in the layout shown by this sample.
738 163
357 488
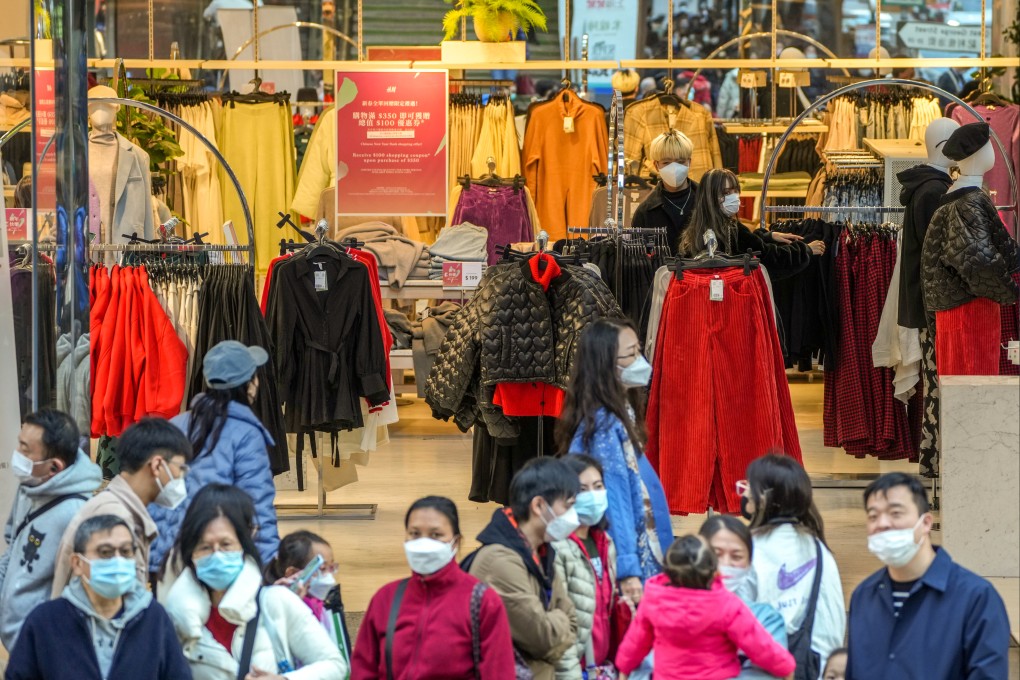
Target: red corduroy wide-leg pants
967 338
719 396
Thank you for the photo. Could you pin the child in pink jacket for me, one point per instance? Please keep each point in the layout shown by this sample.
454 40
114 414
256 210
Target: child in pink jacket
695 625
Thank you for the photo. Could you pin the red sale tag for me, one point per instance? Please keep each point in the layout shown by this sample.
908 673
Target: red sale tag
17 223
453 275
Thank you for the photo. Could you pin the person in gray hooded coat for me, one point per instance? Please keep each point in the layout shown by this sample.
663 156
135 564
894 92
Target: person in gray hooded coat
56 481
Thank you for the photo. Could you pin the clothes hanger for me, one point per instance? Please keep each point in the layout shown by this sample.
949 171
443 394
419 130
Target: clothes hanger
321 246
667 98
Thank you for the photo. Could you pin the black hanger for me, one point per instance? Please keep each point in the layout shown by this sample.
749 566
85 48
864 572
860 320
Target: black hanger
748 260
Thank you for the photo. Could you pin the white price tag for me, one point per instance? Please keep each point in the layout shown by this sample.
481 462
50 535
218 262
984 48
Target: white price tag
715 290
568 123
472 274
748 80
321 284
787 79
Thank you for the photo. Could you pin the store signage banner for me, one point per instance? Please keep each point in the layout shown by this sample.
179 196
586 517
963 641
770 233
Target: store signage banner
18 221
612 29
391 142
940 37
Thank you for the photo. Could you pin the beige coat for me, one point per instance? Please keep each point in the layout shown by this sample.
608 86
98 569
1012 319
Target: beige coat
119 499
540 635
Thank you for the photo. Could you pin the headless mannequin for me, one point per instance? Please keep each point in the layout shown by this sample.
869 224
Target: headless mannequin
103 152
974 167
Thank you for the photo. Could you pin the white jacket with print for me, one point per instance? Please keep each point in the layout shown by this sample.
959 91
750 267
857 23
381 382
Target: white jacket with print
783 566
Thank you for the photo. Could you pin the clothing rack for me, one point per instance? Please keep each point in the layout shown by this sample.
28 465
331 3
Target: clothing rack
323 510
831 209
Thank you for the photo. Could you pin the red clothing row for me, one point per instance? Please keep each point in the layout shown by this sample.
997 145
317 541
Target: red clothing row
138 362
719 396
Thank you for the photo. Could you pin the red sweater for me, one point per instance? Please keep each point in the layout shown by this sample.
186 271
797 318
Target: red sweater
433 632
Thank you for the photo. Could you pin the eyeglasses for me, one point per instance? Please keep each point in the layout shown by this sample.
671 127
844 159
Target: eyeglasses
742 487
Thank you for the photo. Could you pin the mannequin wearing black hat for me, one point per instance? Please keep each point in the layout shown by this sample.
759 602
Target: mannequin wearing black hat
967 263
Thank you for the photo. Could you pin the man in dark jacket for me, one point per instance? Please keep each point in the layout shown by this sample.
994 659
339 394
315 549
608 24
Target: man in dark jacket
517 561
105 625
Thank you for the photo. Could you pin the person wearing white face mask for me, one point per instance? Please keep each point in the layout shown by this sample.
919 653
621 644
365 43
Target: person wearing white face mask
321 592
922 615
56 479
716 208
586 563
427 626
603 417
670 205
517 560
153 457
105 625
731 541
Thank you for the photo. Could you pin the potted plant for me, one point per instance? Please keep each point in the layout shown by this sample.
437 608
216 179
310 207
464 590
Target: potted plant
494 20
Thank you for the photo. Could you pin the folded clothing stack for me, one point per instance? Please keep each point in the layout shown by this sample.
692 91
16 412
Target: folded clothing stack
396 254
460 243
421 267
786 181
428 337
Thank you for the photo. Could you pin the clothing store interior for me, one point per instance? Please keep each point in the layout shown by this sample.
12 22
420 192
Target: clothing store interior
421 290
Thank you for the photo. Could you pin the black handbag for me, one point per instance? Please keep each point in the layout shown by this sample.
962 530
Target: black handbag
808 661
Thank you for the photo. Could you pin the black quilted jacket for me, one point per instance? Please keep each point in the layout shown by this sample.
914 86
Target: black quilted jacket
512 331
967 253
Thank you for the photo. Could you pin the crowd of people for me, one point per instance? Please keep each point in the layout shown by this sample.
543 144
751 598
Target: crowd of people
175 569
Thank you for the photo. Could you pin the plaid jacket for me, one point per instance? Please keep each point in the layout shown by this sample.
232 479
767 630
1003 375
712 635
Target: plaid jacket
647 119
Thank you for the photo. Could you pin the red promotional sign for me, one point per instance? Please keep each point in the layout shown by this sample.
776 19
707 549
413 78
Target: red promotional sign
45 123
391 142
17 224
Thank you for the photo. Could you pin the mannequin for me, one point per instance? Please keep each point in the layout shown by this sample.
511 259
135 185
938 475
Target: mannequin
922 187
967 263
119 170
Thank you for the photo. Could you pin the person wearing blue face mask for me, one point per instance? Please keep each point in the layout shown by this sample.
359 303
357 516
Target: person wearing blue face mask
105 625
586 564
229 625
603 417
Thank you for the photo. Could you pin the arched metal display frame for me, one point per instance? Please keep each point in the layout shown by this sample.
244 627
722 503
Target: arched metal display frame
249 225
880 82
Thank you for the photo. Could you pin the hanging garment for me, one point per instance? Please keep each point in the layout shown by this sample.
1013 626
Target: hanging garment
897 347
931 441
140 362
967 338
719 396
327 341
632 197
504 212
518 330
922 188
967 253
257 142
203 199
124 185
648 118
318 167
224 307
22 302
565 145
497 141
860 413
494 462
1005 122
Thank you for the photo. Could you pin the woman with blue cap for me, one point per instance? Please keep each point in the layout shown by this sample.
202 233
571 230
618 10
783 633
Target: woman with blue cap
231 448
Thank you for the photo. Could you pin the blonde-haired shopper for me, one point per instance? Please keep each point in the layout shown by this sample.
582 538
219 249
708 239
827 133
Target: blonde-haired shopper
670 205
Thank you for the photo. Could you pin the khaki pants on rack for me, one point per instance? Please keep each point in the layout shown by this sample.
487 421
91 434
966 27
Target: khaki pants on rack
258 142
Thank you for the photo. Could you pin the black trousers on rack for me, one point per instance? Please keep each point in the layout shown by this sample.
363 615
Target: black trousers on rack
495 464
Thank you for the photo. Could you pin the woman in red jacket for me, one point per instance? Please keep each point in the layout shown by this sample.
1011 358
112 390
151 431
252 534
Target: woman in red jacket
440 612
